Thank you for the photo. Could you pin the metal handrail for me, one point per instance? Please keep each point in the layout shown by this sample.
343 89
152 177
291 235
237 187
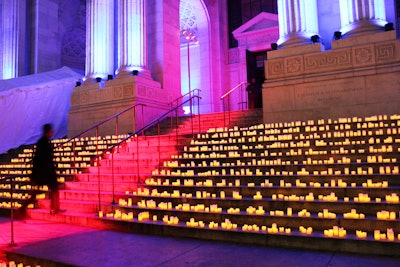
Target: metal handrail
137 133
11 178
187 94
232 90
227 94
150 124
101 123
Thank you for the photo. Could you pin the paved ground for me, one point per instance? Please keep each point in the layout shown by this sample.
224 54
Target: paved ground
88 247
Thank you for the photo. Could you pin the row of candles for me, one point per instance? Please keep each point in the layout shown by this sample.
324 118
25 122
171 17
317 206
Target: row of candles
278 161
383 170
281 141
14 264
282 183
289 137
353 214
361 197
286 135
335 232
7 194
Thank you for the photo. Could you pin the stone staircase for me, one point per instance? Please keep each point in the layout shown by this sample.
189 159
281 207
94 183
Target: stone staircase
327 185
330 185
131 165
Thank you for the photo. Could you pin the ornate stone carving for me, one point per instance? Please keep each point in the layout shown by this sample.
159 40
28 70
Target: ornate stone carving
140 90
331 60
128 91
363 55
84 98
385 52
118 92
294 65
275 68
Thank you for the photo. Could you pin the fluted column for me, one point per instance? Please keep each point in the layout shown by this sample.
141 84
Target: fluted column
298 21
132 42
9 31
99 39
362 16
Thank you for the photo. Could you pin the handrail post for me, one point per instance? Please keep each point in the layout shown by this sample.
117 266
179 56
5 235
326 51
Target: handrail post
98 167
134 122
112 177
229 110
191 115
137 157
223 108
176 116
198 112
74 153
117 126
241 97
12 243
142 120
159 142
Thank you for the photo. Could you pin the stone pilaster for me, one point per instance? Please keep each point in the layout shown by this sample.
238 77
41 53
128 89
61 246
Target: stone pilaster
362 16
99 39
132 37
10 40
298 21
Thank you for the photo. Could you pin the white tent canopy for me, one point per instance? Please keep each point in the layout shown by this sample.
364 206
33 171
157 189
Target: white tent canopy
29 102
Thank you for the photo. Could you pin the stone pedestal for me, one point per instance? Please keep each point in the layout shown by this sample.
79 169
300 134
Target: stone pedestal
91 104
359 77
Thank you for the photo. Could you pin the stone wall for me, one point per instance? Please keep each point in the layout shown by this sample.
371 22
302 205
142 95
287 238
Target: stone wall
91 104
358 77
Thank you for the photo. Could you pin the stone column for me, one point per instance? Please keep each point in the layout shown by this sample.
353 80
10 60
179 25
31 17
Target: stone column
298 21
99 39
132 37
10 40
362 16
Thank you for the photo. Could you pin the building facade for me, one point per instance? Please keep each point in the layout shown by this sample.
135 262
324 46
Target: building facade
108 40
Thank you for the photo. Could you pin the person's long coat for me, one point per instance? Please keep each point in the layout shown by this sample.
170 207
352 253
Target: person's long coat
43 169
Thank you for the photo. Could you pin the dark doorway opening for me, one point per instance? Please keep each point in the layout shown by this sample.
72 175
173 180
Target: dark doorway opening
255 69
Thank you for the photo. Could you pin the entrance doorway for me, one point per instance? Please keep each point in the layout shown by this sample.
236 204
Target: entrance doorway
255 69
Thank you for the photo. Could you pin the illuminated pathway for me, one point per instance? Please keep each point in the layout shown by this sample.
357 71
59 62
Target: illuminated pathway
91 247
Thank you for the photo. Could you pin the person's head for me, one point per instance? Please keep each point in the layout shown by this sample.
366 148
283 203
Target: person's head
48 130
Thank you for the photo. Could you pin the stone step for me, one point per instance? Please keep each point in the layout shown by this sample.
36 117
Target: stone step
339 207
132 162
297 240
127 177
267 192
142 156
315 241
123 169
87 207
369 224
392 179
104 186
81 195
69 217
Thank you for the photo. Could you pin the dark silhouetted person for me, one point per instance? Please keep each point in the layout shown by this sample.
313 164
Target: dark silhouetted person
253 91
43 172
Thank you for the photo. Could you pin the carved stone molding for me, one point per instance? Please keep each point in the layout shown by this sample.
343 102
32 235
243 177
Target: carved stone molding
338 60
